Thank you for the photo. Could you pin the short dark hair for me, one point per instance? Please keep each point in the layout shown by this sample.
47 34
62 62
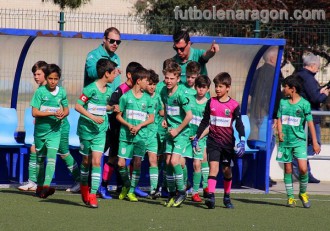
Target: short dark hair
182 34
193 68
104 65
131 67
140 73
293 81
222 78
40 65
174 68
167 62
111 29
203 81
53 68
154 77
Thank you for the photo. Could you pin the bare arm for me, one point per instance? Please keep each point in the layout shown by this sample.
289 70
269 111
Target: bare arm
97 119
211 52
175 131
316 146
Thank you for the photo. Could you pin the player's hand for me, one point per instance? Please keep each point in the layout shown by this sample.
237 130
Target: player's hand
240 148
164 124
115 108
97 119
195 145
173 132
280 136
316 148
59 114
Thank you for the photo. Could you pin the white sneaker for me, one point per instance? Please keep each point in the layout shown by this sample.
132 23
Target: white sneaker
74 188
28 186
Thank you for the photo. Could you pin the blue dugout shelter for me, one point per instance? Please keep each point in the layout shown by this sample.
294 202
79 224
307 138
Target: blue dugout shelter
240 57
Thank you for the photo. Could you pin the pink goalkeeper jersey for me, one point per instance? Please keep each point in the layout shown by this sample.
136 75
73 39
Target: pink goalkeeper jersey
221 119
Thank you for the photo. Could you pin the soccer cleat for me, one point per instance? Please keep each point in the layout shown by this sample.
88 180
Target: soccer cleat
154 194
304 199
291 203
227 201
38 191
180 198
140 193
132 197
93 201
84 190
210 201
103 191
46 192
74 188
28 186
170 200
196 198
123 193
205 192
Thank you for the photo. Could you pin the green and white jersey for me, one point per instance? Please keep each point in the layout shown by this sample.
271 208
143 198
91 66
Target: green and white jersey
198 112
135 111
191 91
46 101
293 118
94 102
158 106
176 106
160 86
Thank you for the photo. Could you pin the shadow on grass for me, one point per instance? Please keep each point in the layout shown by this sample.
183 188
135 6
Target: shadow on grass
61 201
27 193
250 201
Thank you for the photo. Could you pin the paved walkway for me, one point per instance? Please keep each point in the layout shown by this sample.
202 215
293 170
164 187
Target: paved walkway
322 188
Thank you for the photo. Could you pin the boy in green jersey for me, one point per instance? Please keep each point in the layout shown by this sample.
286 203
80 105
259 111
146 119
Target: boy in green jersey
49 107
92 127
136 112
200 164
152 144
176 119
292 114
39 69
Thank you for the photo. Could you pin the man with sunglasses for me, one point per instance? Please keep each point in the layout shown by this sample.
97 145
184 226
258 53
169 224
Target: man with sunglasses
111 41
185 53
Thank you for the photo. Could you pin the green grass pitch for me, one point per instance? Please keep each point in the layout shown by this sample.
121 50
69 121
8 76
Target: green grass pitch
66 211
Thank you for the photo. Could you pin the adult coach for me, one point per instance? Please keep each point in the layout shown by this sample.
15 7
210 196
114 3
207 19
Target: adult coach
185 53
111 42
316 95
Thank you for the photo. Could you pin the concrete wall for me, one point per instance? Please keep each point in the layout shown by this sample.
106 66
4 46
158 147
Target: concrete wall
320 168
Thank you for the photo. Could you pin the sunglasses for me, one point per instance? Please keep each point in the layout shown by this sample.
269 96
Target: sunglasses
112 41
180 49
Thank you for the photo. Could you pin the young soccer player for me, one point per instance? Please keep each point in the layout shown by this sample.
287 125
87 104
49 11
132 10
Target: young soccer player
136 112
177 117
200 164
112 137
293 112
38 71
49 107
220 111
92 127
152 142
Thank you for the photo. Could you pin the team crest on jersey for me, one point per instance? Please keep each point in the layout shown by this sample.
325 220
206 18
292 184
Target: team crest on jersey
298 112
143 106
227 112
175 102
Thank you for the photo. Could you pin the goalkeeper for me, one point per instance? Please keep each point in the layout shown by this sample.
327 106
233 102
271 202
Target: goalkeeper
219 114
